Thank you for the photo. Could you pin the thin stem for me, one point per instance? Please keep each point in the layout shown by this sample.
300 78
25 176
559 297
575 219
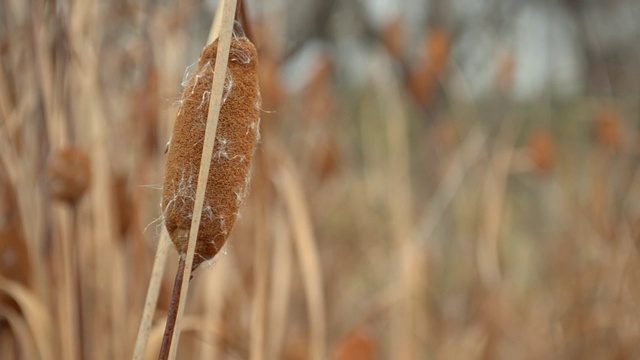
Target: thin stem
173 311
152 297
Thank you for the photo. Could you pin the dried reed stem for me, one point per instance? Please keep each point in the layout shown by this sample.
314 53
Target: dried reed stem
220 70
152 296
494 193
290 188
67 282
261 268
280 289
216 25
217 285
403 321
173 311
35 313
113 309
25 344
61 214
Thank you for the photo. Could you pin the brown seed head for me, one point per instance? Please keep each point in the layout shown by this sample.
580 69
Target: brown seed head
608 129
506 70
393 37
425 75
357 345
439 50
542 150
69 174
236 137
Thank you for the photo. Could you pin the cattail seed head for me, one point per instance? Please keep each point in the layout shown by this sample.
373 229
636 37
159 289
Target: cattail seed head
393 37
236 137
69 174
542 151
357 345
608 129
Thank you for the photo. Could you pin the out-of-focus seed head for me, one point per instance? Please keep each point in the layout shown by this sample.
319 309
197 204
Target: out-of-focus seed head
69 174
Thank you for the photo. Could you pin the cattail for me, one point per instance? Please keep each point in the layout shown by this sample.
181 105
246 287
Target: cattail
506 70
542 151
357 345
69 174
393 37
326 158
236 137
608 129
425 75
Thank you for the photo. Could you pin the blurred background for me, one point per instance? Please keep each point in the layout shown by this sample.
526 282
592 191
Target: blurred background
435 180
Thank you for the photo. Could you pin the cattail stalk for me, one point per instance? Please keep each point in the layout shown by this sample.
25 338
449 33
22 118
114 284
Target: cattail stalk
212 210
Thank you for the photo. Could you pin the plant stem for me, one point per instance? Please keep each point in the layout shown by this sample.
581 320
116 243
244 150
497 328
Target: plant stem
173 311
152 296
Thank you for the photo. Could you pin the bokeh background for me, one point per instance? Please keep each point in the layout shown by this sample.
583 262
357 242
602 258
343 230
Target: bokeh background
435 180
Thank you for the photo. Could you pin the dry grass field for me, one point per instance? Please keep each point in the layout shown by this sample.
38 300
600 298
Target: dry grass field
384 219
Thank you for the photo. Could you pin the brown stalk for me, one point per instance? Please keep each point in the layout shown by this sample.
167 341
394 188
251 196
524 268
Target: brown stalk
173 311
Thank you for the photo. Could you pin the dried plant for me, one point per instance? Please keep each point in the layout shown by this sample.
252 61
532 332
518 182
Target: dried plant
542 150
69 174
368 231
199 220
236 138
608 129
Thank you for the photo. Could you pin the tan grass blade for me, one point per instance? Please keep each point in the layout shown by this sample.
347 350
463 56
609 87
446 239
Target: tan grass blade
21 333
152 296
220 70
155 338
35 314
216 26
403 323
189 323
216 287
261 268
466 157
281 275
29 206
494 194
289 187
7 346
114 310
63 262
109 319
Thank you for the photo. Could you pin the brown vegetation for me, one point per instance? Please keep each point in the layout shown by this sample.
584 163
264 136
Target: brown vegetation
236 137
367 231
